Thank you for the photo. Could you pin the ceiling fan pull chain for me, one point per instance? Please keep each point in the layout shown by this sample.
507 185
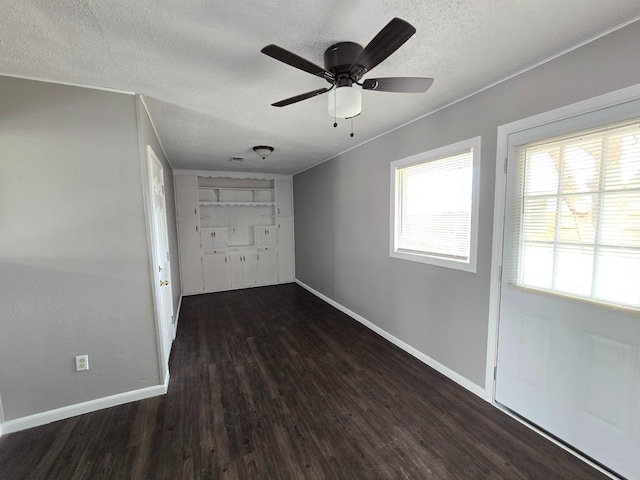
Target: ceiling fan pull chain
351 128
335 120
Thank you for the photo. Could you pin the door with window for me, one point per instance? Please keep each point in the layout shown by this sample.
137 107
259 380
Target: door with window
569 335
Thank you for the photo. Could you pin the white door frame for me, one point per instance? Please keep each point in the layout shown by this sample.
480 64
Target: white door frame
163 355
597 103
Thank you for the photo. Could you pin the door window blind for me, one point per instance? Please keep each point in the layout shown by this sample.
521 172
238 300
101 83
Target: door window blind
578 215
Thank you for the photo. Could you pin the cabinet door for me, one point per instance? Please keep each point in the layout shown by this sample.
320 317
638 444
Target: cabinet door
219 237
187 202
206 238
272 235
216 272
284 197
190 255
266 267
237 275
266 235
286 265
285 233
249 268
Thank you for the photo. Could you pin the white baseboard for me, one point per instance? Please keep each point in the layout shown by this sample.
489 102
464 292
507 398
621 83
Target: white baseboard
447 372
84 407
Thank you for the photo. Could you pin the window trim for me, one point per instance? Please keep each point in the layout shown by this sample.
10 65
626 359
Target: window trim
428 156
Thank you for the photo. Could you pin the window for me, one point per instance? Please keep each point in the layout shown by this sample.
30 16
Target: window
434 206
579 215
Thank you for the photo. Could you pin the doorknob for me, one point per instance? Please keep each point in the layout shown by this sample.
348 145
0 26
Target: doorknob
164 283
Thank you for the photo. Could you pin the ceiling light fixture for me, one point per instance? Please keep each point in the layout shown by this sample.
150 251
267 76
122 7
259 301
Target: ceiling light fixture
345 102
263 151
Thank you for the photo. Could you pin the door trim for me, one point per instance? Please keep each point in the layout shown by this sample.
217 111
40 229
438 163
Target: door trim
163 357
586 106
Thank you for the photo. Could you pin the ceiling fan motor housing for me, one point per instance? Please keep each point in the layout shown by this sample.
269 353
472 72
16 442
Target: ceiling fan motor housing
339 57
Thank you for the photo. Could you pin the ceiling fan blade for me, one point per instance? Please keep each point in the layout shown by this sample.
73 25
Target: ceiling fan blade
387 41
296 61
398 84
299 98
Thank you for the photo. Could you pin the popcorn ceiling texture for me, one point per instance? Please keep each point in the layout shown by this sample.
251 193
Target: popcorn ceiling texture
209 89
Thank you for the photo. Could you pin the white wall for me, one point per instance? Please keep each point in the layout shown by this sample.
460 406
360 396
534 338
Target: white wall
342 208
74 271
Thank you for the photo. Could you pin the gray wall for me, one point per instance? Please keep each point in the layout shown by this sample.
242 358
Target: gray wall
342 208
74 269
147 136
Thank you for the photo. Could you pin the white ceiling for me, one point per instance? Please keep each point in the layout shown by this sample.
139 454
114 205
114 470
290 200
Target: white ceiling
209 89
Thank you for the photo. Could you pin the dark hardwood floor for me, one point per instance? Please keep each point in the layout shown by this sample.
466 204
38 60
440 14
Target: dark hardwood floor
272 383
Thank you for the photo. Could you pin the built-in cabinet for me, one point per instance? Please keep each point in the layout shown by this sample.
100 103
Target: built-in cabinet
234 231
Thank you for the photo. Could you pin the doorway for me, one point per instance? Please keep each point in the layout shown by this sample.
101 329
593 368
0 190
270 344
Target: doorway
161 267
568 281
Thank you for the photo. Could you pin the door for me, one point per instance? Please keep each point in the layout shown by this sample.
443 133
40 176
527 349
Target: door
190 255
163 296
569 329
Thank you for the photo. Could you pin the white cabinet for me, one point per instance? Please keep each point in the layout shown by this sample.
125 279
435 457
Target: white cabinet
266 235
234 232
217 274
243 269
213 238
190 256
266 266
284 197
186 190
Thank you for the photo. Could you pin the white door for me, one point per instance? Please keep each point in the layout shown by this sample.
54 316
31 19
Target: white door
569 331
160 254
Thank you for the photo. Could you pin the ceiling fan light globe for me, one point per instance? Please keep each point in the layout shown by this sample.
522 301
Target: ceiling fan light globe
345 102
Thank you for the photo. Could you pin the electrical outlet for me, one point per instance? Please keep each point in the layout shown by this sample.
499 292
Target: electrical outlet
82 362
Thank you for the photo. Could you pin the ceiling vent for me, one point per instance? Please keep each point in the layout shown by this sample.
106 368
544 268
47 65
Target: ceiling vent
236 159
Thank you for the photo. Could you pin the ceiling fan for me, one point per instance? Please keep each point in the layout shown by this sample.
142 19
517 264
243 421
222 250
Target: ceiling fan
345 63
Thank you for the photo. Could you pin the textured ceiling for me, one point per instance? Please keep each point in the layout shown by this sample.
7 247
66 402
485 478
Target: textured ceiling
209 89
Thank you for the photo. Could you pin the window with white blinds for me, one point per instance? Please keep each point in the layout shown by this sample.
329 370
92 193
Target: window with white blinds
434 198
579 215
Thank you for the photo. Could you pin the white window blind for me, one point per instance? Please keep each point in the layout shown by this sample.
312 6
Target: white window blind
579 215
434 203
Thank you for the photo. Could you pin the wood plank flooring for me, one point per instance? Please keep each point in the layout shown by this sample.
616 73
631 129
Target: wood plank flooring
272 383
